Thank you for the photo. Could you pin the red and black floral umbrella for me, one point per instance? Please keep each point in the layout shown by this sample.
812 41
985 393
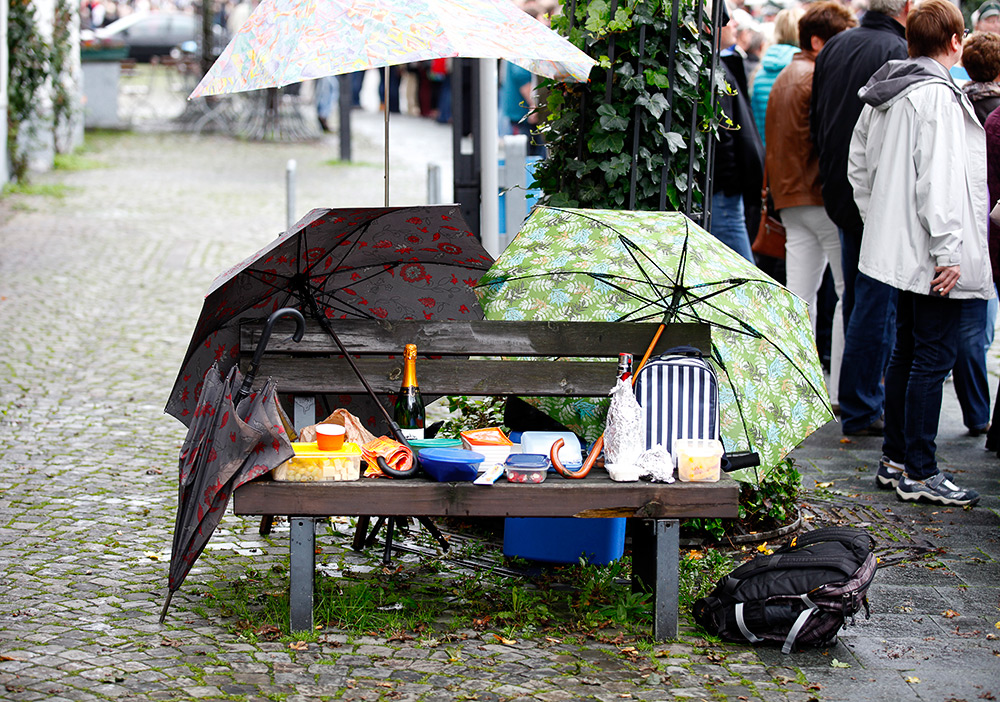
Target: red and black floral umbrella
375 263
221 451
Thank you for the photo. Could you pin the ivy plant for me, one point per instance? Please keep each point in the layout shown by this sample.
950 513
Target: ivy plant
591 128
29 57
61 66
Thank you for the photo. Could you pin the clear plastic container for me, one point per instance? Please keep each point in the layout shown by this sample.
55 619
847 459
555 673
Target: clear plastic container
312 465
570 455
698 460
527 468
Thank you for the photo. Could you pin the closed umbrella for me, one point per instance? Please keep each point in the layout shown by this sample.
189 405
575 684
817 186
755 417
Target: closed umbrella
228 444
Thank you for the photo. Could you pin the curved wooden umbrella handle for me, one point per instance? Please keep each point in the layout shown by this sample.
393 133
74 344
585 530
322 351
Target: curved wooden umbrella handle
584 469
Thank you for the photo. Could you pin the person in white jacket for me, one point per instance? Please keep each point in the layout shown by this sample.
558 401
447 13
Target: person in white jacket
917 165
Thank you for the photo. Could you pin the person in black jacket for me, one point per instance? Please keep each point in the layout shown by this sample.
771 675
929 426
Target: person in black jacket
846 63
739 156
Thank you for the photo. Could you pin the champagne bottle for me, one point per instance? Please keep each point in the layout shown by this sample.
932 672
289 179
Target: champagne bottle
409 410
624 366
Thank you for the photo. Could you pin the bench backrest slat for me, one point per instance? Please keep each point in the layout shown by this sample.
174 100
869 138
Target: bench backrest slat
314 365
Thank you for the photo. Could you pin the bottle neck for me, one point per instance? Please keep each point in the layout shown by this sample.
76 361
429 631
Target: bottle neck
409 373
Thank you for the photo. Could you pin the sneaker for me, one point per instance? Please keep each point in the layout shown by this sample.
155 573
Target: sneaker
876 428
887 477
938 489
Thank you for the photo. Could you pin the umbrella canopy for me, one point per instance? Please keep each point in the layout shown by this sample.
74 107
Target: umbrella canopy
221 452
362 263
606 265
287 41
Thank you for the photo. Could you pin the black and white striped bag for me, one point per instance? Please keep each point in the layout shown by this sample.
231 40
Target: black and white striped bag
679 393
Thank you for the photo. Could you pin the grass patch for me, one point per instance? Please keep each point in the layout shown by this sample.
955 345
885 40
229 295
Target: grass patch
76 161
429 598
337 163
53 190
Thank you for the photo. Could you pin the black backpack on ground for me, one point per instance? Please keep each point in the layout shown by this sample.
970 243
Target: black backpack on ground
801 594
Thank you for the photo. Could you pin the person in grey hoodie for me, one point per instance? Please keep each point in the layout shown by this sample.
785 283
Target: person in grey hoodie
917 165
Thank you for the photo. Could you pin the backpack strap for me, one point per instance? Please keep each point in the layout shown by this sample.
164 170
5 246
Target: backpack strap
791 560
741 623
800 622
683 351
857 539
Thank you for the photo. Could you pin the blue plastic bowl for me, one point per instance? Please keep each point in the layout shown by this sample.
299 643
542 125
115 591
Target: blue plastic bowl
448 465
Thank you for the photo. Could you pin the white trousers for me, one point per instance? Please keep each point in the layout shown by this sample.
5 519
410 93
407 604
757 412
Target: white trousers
811 242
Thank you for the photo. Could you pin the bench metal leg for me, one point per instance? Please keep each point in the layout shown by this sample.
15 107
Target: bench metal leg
302 572
655 547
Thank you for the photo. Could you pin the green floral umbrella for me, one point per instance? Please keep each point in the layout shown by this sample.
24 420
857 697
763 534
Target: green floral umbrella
608 265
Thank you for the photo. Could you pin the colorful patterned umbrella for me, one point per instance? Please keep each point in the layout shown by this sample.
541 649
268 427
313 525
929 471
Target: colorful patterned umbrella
609 265
357 263
287 41
220 453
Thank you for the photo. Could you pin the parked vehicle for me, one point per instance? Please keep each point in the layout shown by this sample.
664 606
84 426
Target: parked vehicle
149 34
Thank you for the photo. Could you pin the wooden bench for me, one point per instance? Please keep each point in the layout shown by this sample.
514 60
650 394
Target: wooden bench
466 360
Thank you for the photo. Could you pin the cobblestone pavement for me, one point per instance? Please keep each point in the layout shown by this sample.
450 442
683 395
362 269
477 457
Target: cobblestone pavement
101 280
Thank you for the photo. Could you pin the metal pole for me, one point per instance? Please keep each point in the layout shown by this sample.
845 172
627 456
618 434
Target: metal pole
345 117
489 227
385 106
290 193
433 184
636 122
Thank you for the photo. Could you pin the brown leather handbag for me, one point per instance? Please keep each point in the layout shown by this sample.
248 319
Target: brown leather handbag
770 240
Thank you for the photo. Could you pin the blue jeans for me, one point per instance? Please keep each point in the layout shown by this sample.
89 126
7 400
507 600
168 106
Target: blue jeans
327 94
850 253
868 341
729 223
971 381
927 331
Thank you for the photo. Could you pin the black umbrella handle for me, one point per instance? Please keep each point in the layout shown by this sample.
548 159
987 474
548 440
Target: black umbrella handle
258 354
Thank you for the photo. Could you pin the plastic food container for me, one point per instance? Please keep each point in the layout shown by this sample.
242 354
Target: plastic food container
698 460
527 467
491 442
447 465
570 455
312 465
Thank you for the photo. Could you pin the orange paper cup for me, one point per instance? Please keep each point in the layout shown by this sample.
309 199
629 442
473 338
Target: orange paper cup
329 437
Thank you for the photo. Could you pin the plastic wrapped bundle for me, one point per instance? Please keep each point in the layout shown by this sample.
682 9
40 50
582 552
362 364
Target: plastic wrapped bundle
623 435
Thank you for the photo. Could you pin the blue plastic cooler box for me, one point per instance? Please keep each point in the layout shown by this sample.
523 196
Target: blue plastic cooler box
564 539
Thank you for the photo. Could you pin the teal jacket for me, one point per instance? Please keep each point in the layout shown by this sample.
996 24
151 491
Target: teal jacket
772 62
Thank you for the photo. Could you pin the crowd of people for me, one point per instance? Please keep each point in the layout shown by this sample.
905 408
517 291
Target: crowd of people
876 132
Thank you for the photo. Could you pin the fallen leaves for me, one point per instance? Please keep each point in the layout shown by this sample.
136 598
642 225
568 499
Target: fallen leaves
838 664
950 614
503 640
299 645
913 680
825 485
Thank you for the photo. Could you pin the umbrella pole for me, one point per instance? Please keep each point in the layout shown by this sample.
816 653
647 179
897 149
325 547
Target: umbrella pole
385 108
393 426
599 444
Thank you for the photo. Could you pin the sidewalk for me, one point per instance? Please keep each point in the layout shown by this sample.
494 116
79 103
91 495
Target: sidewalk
99 292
